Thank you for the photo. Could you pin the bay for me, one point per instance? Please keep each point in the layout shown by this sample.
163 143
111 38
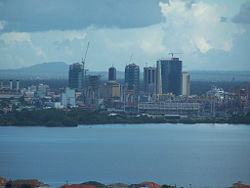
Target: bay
204 155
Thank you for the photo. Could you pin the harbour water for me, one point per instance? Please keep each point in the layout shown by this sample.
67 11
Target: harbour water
204 155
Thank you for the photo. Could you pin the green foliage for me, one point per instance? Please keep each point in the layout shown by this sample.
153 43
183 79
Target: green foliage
63 118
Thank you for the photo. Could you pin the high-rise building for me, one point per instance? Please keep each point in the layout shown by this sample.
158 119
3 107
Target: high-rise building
112 73
93 82
68 98
132 77
169 76
149 80
17 85
76 76
11 84
185 84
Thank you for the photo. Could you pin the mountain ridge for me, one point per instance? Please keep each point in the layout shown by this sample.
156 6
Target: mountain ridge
59 70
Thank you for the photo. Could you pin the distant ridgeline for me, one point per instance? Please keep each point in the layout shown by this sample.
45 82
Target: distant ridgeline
74 117
59 70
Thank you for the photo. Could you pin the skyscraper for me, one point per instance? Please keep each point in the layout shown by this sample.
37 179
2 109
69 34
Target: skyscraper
132 77
149 80
112 73
76 76
185 84
169 76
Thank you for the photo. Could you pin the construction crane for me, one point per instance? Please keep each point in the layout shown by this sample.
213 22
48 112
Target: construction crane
83 59
130 60
83 66
171 53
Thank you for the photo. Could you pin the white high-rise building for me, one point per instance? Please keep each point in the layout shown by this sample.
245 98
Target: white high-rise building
68 98
185 84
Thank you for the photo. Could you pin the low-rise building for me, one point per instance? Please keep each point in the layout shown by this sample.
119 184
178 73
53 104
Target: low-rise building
169 108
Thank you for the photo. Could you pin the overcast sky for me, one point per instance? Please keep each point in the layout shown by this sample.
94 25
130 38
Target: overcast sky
210 34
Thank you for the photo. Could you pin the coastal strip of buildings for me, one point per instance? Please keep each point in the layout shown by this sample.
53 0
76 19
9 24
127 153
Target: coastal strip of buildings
165 90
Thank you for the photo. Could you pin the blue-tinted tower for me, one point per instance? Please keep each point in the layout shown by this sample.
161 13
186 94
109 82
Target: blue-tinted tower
112 74
132 77
76 76
169 74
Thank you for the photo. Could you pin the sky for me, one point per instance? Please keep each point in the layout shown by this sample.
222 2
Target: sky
204 34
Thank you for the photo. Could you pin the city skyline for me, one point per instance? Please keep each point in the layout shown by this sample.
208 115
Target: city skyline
212 35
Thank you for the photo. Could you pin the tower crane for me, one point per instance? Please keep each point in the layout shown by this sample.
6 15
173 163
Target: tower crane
171 53
130 60
83 64
83 59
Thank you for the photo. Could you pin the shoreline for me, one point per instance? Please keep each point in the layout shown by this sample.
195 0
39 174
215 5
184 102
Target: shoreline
127 123
76 117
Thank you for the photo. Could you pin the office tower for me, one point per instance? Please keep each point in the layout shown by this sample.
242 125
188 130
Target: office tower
17 85
112 73
132 77
158 78
11 84
1 85
76 76
169 76
93 82
185 84
149 80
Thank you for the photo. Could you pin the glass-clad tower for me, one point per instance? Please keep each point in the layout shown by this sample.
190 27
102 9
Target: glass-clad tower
76 76
112 73
132 77
169 76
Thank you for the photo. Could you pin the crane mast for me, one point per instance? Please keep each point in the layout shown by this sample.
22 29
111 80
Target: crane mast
83 59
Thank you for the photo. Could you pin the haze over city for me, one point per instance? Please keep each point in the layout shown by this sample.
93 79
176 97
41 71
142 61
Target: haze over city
212 35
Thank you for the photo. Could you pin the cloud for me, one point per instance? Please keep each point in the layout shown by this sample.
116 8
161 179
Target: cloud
2 24
223 19
189 3
36 15
17 46
15 37
203 45
243 17
64 46
197 28
78 35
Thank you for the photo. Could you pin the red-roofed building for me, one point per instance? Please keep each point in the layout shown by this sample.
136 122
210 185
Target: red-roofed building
154 185
33 183
3 181
239 184
78 186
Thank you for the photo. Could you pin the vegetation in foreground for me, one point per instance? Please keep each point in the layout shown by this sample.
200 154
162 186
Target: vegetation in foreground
74 117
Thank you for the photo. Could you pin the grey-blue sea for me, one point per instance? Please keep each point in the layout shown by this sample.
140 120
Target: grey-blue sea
204 155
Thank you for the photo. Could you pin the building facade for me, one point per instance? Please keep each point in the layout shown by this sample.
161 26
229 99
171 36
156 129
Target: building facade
68 98
76 76
169 76
149 80
132 77
170 108
112 74
185 84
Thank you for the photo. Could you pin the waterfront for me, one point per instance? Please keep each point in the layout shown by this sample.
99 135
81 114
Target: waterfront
214 155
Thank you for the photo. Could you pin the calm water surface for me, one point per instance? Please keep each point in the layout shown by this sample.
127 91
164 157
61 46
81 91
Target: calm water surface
202 155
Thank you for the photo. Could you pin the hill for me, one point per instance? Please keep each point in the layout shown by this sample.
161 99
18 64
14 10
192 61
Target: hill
59 70
49 70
